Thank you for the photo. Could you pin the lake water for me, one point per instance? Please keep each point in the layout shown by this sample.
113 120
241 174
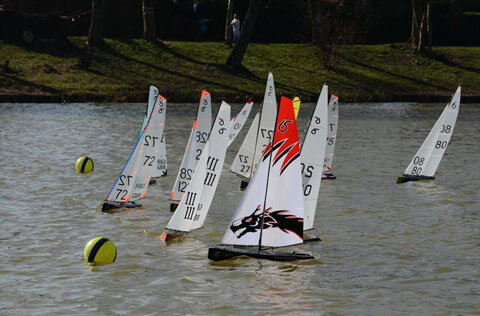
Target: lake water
387 249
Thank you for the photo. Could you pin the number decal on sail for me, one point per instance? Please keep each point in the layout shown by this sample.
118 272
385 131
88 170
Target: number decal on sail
123 178
418 161
441 144
212 163
244 168
317 120
283 126
201 137
209 179
199 153
331 126
186 174
182 186
446 129
307 171
268 133
314 130
123 193
149 160
416 170
307 190
148 137
330 140
190 201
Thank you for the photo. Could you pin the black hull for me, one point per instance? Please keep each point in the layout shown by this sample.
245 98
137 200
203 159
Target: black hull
219 254
328 176
407 178
109 205
173 207
243 185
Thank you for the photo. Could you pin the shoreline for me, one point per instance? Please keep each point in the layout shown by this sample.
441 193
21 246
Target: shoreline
138 98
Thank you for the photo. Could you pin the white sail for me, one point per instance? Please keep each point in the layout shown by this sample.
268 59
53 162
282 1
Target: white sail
428 157
267 119
159 133
332 134
122 188
156 136
150 149
205 176
196 144
238 121
259 135
152 98
274 192
242 164
132 183
312 157
218 144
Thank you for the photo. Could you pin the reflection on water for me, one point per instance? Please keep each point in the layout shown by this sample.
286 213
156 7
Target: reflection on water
386 249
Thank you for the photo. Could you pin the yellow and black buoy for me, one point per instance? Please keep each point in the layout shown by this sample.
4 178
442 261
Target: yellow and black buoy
84 165
100 250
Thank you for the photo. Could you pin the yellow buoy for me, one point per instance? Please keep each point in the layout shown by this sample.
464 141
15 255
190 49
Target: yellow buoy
84 165
100 250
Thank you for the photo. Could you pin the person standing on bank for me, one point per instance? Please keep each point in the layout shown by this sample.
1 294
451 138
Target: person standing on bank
235 27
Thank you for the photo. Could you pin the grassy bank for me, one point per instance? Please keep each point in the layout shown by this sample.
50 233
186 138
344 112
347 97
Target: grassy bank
123 70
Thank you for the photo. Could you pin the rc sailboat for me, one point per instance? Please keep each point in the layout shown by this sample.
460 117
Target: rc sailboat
331 138
132 183
196 144
195 204
271 211
258 137
425 162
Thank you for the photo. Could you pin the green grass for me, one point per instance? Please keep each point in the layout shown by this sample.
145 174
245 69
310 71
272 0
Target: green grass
124 69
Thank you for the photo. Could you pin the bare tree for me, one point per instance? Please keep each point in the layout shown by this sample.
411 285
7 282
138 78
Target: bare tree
149 29
238 52
421 32
95 34
228 23
336 23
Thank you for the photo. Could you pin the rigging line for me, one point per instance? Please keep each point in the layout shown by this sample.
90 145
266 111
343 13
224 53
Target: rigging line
268 176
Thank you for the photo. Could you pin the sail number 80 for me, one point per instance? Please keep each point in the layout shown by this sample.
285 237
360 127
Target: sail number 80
441 144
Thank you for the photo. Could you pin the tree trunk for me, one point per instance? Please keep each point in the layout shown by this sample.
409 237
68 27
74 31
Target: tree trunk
95 34
429 28
312 20
149 30
228 23
238 52
421 33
